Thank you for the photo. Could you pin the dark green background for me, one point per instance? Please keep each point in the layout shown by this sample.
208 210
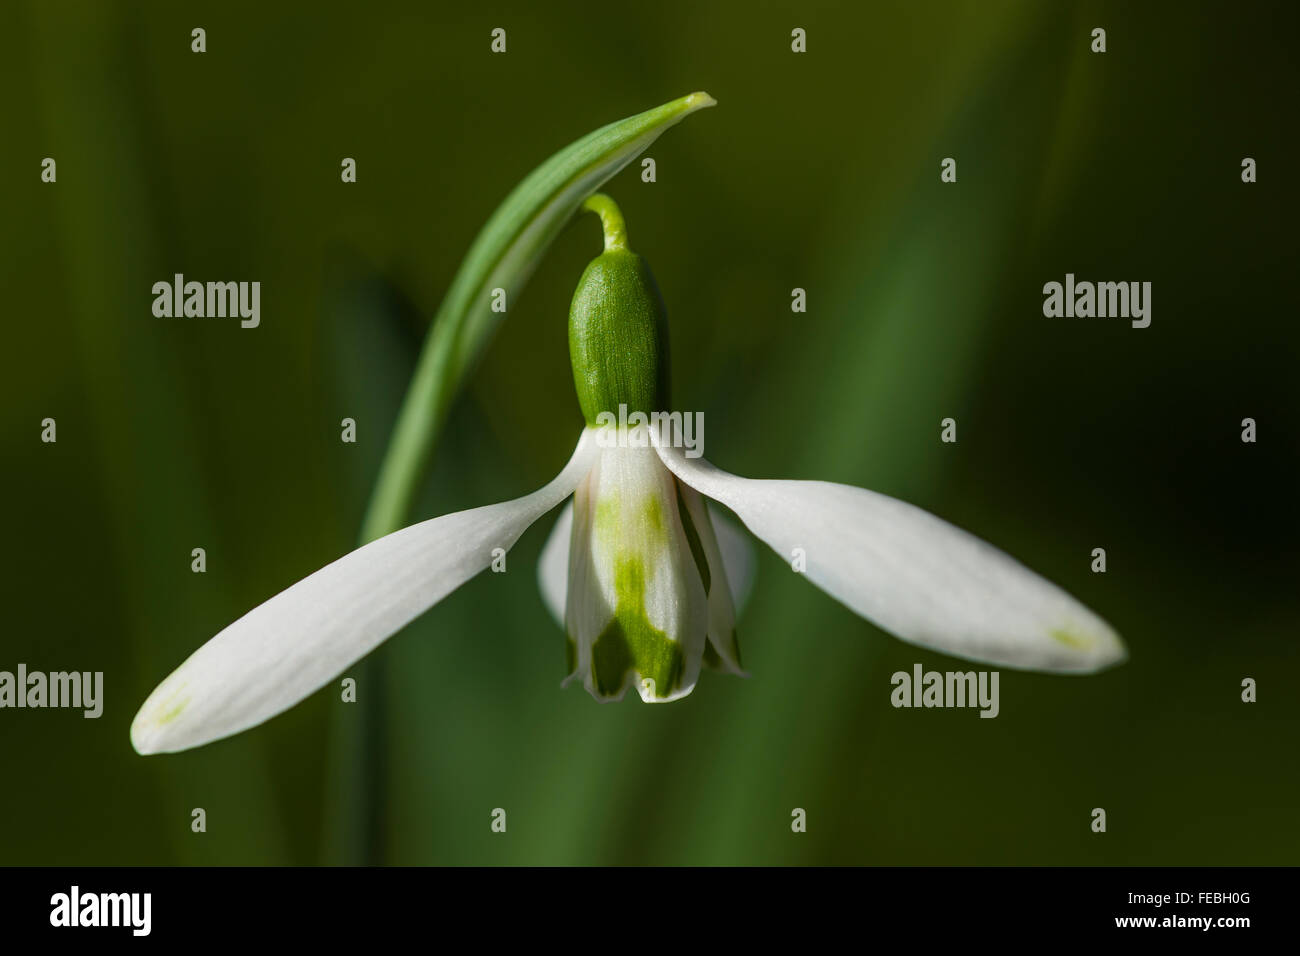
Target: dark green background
818 170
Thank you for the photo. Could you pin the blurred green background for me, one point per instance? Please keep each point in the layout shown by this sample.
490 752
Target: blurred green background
924 301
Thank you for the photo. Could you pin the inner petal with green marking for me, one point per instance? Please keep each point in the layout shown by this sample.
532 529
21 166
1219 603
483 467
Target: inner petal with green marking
637 607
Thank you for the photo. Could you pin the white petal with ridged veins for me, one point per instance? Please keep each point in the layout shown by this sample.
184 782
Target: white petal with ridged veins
912 573
288 647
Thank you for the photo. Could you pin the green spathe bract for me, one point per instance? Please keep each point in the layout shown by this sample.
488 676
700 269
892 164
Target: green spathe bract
502 256
618 328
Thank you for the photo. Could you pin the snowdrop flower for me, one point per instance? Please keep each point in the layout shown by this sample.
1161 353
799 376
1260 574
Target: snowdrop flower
644 580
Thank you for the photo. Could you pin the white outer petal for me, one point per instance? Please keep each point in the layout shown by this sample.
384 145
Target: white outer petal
553 566
288 647
912 573
722 608
737 556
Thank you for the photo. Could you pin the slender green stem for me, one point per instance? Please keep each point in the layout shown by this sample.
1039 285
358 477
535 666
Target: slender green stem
611 220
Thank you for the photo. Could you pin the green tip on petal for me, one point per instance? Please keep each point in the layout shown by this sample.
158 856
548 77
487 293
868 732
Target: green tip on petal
699 101
1071 639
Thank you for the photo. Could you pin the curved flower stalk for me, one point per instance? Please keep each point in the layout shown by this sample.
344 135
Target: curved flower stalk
644 579
503 255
